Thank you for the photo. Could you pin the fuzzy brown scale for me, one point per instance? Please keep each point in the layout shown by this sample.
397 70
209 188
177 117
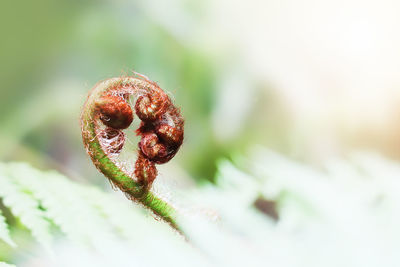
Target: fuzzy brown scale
161 129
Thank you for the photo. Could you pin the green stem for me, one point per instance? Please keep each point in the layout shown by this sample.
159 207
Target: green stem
125 182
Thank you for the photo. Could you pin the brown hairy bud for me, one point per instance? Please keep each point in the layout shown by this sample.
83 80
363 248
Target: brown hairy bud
170 135
161 128
150 107
107 112
145 171
152 148
115 112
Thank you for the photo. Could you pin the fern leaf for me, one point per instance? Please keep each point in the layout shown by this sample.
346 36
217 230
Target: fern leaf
86 220
4 232
64 205
24 206
84 214
36 181
120 214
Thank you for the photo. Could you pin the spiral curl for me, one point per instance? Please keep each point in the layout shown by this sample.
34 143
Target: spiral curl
108 112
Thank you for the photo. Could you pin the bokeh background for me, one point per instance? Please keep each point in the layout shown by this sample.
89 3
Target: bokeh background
311 80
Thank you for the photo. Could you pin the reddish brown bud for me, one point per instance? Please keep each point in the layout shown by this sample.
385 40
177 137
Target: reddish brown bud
152 148
145 170
170 135
150 107
115 112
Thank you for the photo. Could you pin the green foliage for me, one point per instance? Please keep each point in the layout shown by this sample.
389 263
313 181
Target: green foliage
43 201
343 213
4 232
340 214
23 205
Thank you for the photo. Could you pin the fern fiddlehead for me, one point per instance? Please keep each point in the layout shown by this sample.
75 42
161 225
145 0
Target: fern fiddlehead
107 113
